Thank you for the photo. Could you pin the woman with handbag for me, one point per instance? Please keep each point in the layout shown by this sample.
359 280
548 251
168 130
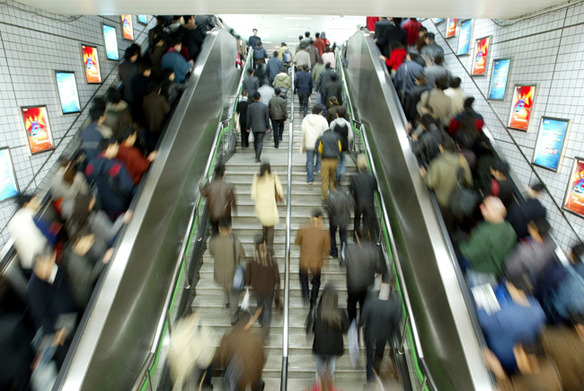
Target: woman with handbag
263 276
266 191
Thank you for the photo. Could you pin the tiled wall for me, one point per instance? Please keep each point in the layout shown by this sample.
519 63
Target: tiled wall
547 50
33 44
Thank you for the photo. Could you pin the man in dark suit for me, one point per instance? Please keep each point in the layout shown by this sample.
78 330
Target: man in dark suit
380 36
258 121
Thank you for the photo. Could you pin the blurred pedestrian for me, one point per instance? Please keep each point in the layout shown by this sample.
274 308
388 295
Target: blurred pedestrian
363 187
312 127
220 198
242 111
278 114
258 122
339 206
329 147
266 192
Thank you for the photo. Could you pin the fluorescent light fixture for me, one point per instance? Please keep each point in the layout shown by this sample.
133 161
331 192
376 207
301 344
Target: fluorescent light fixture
266 41
297 17
296 28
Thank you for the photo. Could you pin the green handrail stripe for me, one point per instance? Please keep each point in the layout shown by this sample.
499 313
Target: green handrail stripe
158 350
145 385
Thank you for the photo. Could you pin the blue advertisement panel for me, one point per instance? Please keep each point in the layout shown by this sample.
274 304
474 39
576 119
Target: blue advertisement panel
550 142
143 19
499 78
111 42
439 20
464 37
8 186
67 88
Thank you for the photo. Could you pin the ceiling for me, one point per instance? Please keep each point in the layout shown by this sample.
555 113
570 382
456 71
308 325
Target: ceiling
502 9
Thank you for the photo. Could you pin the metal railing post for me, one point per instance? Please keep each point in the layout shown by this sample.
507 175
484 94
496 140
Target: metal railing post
404 335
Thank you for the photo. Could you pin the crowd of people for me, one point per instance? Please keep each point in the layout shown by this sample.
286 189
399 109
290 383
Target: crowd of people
530 306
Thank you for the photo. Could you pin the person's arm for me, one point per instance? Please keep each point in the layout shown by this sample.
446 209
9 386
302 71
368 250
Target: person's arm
267 120
125 181
248 118
298 240
310 84
278 186
232 198
432 177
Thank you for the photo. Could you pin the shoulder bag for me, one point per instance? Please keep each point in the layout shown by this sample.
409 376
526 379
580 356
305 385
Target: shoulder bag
239 275
463 200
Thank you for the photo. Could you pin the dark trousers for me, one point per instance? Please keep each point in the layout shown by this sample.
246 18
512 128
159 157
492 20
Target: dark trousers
303 99
352 300
369 221
342 235
244 135
278 129
374 356
268 236
258 143
304 285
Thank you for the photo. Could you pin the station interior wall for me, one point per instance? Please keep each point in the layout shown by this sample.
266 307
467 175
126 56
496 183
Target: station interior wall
548 51
33 44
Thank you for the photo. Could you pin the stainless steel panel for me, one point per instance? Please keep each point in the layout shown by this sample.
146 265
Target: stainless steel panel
120 330
447 335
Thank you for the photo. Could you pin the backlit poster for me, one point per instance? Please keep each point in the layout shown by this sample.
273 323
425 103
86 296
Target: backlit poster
480 56
38 130
127 27
464 37
521 106
451 27
8 184
550 142
110 38
67 88
574 201
91 64
143 19
439 20
499 78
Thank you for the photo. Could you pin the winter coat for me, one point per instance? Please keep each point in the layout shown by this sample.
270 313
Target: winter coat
442 175
333 88
177 63
277 107
246 350
282 80
258 117
363 186
115 186
263 278
303 83
381 319
263 193
363 261
221 247
313 126
220 198
342 128
28 238
274 67
339 207
315 244
251 85
329 341
329 145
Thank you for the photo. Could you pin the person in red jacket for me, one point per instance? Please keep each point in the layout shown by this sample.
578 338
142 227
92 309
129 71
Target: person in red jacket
396 58
319 43
411 27
370 23
135 161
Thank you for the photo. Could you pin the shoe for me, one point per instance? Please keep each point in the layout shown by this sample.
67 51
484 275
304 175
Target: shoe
257 160
334 255
276 146
310 183
226 305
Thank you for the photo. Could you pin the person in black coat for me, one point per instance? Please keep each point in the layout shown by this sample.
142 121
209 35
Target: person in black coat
380 36
333 88
330 323
381 318
363 186
258 122
519 215
241 109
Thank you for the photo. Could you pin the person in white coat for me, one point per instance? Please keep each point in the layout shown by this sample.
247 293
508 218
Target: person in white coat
266 191
28 238
313 126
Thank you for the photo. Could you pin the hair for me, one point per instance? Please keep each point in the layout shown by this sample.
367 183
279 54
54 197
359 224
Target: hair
455 82
422 29
257 96
362 163
323 34
250 71
438 59
328 308
113 95
317 35
327 65
174 39
537 186
283 44
105 143
342 111
333 101
464 140
421 78
244 93
277 91
145 64
80 213
317 108
160 20
166 73
307 34
96 112
254 29
300 37
219 170
131 51
186 18
265 168
23 198
126 133
319 61
316 213
448 143
427 120
261 253
578 251
430 36
275 53
397 45
501 166
442 83
224 223
334 77
468 102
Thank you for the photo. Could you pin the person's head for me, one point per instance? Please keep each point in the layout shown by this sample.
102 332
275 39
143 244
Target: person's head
397 45
113 95
441 83
275 54
145 66
220 171
132 53
128 137
447 144
277 91
333 101
300 37
329 307
334 78
500 170
260 44
316 217
224 227
361 162
189 19
422 32
283 44
43 262
261 253
468 102
493 210
97 114
430 37
265 169
317 109
254 32
109 148
535 190
244 93
577 253
539 229
28 200
176 18
317 35
438 59
341 112
175 41
161 20
323 35
328 65
427 121
257 96
420 79
397 21
307 34
455 82
311 42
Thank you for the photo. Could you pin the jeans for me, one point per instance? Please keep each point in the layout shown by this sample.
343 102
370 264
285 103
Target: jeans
325 363
342 235
258 143
374 357
265 317
327 175
304 285
278 129
303 103
341 169
352 300
310 155
369 221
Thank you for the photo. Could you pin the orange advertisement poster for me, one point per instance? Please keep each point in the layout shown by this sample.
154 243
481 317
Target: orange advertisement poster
480 58
38 130
127 27
521 107
91 64
451 27
575 193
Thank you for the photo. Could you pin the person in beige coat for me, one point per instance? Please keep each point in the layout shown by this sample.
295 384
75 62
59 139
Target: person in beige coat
266 191
222 247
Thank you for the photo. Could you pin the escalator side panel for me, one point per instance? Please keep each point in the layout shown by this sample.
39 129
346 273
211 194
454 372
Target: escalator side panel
447 336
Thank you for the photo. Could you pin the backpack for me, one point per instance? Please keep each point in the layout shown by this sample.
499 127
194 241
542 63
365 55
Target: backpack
259 53
287 56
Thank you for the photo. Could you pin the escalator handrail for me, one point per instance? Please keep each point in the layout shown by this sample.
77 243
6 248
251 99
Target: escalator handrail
285 329
393 248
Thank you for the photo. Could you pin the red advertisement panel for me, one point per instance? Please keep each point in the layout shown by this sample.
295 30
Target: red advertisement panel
451 27
522 104
480 57
38 130
127 27
91 64
574 201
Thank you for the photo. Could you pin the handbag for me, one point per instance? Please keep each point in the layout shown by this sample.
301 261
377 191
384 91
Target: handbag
245 301
239 274
463 200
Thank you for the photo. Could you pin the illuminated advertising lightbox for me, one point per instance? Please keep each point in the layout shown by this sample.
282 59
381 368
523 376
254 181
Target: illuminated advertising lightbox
38 130
574 200
499 78
91 64
143 19
439 20
111 42
127 27
480 56
8 184
521 106
464 37
550 142
67 88
451 27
